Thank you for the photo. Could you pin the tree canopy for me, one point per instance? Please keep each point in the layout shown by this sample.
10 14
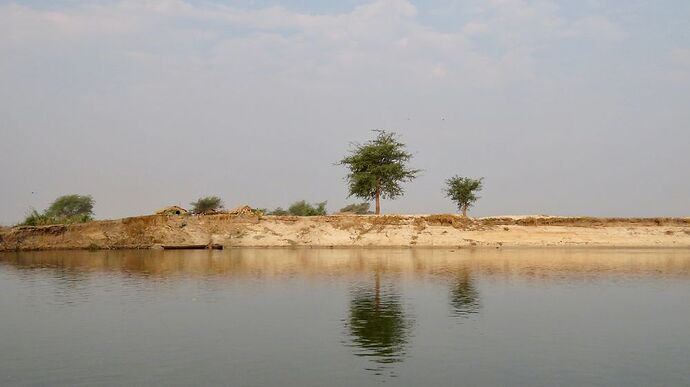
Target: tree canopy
463 191
207 205
71 206
378 167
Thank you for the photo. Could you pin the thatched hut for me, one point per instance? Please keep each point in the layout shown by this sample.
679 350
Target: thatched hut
241 210
172 211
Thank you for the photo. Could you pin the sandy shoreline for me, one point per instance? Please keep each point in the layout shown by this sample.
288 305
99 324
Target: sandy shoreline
225 230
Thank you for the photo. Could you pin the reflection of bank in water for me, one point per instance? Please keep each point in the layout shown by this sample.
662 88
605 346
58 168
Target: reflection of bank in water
378 326
464 296
523 264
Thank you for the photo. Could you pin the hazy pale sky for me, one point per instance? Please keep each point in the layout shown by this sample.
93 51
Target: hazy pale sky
565 107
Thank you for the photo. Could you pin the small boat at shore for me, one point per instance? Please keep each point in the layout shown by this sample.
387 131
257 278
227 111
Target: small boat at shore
214 246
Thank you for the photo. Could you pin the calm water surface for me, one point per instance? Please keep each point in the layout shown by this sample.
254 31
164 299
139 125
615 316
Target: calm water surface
256 317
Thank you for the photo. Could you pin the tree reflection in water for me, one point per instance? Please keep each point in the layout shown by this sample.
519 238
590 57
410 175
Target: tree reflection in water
464 296
378 325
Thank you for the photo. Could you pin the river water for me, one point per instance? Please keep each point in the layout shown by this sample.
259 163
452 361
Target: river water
338 317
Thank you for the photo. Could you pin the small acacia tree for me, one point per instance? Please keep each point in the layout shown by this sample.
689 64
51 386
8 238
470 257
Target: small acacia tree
463 191
378 167
207 205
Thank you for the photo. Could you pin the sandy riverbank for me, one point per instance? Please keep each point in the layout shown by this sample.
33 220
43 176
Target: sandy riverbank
351 231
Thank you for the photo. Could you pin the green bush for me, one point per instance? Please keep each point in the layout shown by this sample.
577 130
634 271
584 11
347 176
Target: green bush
359 209
36 219
279 211
260 211
207 205
64 210
302 208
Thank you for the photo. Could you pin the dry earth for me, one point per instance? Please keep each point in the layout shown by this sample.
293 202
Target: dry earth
351 231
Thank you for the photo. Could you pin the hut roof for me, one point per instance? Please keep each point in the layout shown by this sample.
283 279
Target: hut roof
172 210
241 210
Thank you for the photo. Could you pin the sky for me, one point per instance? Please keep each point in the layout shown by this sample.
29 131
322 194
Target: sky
564 107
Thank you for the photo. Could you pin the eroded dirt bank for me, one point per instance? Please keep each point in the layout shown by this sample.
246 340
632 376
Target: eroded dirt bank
350 230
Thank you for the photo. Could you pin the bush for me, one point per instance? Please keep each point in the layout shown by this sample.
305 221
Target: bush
360 209
260 211
36 219
207 205
279 212
302 208
64 210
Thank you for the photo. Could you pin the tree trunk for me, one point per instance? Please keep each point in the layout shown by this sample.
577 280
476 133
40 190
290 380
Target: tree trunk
464 211
377 294
378 197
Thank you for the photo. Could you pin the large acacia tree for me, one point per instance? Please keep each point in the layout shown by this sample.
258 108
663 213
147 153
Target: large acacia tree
378 167
72 207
